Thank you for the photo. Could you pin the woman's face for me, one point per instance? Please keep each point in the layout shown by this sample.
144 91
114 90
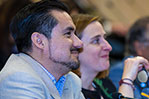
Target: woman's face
95 54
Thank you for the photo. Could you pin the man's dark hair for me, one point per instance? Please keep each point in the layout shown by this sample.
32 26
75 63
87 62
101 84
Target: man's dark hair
137 32
35 17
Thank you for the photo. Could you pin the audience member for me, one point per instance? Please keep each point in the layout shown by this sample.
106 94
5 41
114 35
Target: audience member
48 50
94 59
138 44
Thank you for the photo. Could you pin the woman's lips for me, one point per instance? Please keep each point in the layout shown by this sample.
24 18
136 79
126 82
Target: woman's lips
105 56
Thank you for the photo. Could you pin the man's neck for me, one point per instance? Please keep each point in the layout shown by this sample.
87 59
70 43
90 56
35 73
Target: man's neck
57 70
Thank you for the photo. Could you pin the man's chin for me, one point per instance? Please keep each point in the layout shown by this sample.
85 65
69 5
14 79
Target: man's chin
74 68
73 65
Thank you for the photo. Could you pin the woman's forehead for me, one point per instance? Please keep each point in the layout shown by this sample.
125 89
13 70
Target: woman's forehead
94 29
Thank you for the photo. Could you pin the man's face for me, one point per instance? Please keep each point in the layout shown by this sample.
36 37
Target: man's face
64 44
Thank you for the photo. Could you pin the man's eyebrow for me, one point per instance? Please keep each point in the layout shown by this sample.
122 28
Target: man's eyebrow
69 29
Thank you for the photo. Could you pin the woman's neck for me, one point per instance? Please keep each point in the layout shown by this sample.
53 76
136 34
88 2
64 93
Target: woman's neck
87 78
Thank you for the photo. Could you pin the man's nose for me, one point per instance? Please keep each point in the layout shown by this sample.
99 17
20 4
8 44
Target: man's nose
77 42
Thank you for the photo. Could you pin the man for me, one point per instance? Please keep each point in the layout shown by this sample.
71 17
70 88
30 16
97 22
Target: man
138 45
48 50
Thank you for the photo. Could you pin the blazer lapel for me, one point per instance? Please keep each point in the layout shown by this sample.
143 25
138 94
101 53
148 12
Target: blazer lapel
67 91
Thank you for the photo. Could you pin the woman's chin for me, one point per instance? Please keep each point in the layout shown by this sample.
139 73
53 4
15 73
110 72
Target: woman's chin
106 66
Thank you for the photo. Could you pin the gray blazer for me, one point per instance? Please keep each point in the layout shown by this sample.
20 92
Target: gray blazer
23 78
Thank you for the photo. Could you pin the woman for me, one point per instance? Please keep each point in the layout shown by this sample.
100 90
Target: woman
94 60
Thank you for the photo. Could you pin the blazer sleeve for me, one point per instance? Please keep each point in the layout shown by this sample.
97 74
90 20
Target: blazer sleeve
21 86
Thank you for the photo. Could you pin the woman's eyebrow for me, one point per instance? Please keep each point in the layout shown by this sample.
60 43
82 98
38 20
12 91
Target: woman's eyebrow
97 36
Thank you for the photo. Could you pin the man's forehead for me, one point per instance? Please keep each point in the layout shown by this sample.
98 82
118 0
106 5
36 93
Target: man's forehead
64 20
61 16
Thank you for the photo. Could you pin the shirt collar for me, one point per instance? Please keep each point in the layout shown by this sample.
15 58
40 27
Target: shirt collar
59 84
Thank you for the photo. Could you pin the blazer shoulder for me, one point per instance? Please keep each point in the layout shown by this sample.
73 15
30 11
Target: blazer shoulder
21 85
15 64
75 80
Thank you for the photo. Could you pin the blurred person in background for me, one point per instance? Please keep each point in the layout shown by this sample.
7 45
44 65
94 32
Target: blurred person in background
8 9
137 45
94 62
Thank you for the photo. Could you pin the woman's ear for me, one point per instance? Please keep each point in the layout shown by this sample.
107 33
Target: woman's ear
37 40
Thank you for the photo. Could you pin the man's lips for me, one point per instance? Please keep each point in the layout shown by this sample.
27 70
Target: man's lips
74 51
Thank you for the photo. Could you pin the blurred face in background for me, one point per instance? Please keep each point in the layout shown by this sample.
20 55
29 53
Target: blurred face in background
95 54
143 47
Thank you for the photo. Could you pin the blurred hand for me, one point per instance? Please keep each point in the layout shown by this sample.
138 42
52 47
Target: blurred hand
133 65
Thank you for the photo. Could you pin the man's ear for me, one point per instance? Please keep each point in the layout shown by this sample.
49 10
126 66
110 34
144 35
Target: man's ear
138 47
38 40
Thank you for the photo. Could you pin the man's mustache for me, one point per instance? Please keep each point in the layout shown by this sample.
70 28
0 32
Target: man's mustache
79 50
